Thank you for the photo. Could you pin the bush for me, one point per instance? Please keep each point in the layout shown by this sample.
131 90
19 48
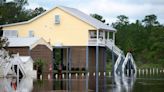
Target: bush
39 65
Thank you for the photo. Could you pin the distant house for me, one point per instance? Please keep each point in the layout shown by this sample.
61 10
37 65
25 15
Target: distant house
36 48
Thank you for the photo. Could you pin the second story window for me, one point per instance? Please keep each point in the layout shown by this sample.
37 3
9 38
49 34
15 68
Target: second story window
57 19
10 33
31 33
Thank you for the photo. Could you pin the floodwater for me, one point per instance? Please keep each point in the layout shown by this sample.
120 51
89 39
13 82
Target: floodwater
84 83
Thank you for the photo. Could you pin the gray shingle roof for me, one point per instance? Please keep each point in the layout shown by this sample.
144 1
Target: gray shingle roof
22 42
30 42
86 18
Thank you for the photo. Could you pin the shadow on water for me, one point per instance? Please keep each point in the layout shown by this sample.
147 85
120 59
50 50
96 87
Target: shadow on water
84 83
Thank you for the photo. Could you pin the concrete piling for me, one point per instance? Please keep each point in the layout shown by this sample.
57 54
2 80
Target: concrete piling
150 71
82 74
63 76
139 71
88 74
49 77
76 75
56 76
69 75
143 71
109 73
104 73
41 77
94 74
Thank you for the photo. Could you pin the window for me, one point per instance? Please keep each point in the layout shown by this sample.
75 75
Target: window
31 34
10 33
92 34
57 19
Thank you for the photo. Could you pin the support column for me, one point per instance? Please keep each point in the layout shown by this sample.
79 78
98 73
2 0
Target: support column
97 68
105 60
86 68
113 37
108 35
103 35
67 64
87 59
97 36
69 59
67 69
62 58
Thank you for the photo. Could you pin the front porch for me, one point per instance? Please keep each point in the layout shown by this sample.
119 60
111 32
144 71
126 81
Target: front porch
100 37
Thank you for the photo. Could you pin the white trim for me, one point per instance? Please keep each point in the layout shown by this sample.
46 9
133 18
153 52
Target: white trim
42 42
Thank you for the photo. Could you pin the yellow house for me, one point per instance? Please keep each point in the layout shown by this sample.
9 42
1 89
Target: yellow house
60 25
82 39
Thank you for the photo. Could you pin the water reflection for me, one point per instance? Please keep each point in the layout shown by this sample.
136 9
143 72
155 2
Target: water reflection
80 84
14 85
123 83
118 83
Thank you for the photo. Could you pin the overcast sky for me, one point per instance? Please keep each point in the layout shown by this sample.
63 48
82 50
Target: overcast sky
109 9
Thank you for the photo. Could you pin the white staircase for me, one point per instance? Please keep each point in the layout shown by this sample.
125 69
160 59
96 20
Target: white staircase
121 61
6 66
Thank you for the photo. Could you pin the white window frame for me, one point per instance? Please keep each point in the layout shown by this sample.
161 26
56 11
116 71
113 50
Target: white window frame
57 19
10 33
30 33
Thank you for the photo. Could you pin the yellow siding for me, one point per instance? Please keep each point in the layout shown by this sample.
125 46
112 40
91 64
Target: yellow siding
70 32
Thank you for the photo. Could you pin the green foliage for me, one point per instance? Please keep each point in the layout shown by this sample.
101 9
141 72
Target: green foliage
13 12
145 40
98 17
39 65
150 20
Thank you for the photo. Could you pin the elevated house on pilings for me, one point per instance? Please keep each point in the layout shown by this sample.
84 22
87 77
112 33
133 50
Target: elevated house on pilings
82 39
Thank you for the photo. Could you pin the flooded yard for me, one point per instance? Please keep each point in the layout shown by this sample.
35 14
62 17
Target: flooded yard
85 83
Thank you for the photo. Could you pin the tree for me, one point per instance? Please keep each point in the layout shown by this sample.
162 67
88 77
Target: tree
150 20
37 11
12 12
98 17
21 3
121 21
4 55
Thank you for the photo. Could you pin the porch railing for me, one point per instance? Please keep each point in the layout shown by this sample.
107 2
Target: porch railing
100 41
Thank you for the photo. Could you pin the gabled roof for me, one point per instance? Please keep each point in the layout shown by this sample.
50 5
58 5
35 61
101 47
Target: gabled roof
30 42
76 13
88 19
